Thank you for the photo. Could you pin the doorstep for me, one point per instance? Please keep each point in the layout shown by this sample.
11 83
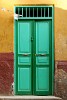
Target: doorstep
29 98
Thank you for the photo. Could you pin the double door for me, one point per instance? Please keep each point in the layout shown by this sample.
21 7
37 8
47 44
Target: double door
33 57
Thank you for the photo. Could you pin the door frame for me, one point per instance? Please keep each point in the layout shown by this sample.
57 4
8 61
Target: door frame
15 53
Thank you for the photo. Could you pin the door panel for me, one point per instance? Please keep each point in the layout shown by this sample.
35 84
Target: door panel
43 56
42 60
24 79
24 57
42 80
24 60
24 37
42 37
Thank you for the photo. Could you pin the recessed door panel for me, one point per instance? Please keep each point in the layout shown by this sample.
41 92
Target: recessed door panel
24 37
24 60
42 37
42 80
24 79
42 60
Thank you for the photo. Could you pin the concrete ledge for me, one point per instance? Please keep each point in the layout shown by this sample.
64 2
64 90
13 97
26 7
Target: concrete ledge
29 98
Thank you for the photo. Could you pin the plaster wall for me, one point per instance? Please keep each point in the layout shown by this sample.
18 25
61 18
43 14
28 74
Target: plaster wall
7 44
60 25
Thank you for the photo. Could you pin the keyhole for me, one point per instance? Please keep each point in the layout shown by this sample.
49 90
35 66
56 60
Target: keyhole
31 39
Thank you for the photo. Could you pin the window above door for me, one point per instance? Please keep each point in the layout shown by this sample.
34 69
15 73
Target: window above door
35 12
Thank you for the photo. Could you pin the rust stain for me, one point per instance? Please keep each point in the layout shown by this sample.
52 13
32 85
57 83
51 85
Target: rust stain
62 65
6 73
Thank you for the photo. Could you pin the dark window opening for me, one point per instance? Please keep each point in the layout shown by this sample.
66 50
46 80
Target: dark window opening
31 12
24 12
20 11
39 12
27 12
34 11
16 10
46 12
50 12
42 12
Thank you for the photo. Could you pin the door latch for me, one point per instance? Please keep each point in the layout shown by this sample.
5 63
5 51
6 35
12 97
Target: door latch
31 38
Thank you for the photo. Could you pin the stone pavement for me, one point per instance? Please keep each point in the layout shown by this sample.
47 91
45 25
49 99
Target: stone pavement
29 98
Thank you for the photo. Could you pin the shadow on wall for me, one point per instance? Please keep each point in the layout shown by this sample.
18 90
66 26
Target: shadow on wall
6 45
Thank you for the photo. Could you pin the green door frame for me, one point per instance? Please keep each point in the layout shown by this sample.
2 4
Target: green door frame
15 52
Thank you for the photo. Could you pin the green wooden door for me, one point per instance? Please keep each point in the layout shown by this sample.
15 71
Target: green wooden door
43 65
33 60
23 57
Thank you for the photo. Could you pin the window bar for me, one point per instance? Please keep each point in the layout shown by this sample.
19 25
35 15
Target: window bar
37 12
44 12
29 12
33 12
48 11
22 12
26 12
41 12
18 13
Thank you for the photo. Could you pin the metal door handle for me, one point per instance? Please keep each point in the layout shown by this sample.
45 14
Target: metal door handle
40 54
25 54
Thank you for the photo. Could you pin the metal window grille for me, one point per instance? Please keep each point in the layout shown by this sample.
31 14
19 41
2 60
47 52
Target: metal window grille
34 11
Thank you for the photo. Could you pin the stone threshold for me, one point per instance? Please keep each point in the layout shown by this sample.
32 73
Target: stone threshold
29 98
